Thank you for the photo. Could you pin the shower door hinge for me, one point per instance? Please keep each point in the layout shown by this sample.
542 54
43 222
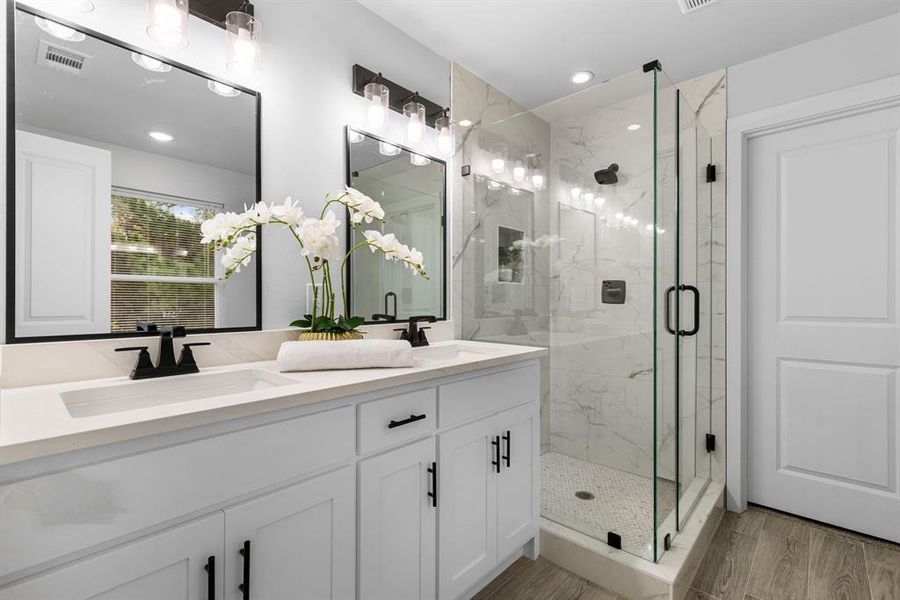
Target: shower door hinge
710 173
710 442
614 540
667 542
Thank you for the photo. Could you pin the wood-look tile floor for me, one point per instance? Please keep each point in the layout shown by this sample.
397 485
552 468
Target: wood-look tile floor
542 580
762 554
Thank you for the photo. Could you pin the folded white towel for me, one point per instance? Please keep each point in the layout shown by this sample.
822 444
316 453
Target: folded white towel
320 355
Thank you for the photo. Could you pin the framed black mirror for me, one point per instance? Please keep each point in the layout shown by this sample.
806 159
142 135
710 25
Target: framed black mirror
412 189
115 158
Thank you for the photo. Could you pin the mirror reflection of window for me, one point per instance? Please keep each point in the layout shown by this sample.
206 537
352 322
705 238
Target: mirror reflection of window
411 189
119 157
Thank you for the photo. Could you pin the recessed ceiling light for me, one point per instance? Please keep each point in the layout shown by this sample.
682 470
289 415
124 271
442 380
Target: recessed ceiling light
465 123
582 76
222 89
59 30
150 63
634 127
160 136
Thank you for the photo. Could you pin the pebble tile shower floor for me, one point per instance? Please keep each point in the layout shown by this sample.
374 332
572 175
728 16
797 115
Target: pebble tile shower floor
623 502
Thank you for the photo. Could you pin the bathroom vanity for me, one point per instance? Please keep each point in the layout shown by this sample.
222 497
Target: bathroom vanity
385 483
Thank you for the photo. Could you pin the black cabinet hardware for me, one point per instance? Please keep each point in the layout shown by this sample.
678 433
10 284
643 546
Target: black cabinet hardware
244 586
496 444
506 438
696 294
210 568
432 470
411 419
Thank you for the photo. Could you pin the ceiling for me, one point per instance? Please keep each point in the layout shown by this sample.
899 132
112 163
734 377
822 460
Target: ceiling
115 101
530 49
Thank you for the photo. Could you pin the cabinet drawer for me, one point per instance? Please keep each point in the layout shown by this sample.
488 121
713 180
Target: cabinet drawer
396 419
55 515
488 394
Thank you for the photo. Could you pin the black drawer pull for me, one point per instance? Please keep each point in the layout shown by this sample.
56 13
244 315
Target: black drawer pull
433 493
411 419
244 587
210 568
506 438
496 444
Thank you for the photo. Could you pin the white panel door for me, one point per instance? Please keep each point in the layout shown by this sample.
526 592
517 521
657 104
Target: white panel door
398 524
302 542
467 488
824 298
518 504
172 565
62 237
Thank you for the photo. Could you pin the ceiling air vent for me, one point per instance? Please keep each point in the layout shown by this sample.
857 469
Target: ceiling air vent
687 6
63 59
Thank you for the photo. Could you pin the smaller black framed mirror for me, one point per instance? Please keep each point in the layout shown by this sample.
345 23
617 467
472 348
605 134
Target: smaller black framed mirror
412 189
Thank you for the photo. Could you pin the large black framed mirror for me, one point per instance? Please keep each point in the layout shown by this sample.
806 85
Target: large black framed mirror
412 189
115 157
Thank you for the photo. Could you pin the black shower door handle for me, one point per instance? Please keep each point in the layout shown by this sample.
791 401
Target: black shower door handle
668 318
693 330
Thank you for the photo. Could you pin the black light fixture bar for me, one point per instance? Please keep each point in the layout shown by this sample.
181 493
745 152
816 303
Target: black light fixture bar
214 11
399 95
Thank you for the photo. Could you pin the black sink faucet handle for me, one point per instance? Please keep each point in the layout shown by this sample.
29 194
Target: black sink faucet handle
186 361
144 364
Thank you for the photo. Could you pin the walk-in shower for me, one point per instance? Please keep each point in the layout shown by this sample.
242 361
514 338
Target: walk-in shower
609 266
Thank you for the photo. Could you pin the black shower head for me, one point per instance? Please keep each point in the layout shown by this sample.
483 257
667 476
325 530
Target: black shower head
607 176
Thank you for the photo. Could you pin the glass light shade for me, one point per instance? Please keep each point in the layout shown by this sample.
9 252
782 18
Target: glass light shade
443 136
167 21
386 149
575 192
537 179
588 197
599 201
415 126
58 30
242 32
519 171
419 160
377 98
498 165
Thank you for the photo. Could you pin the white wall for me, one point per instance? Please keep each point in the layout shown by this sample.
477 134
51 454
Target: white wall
865 53
308 51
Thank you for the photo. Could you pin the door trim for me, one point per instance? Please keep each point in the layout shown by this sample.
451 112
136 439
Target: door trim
833 105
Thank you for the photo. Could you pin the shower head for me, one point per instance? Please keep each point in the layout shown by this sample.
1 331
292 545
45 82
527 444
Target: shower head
608 175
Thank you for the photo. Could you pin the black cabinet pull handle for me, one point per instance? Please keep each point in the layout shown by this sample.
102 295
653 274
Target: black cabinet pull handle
668 319
411 419
496 444
244 586
696 294
433 493
506 438
210 568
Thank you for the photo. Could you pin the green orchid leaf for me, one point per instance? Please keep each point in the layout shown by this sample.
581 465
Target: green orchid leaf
301 323
354 322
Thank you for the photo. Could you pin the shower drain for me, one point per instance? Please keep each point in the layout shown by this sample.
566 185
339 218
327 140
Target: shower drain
582 495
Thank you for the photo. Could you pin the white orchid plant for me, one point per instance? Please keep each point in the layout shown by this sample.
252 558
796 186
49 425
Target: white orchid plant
234 235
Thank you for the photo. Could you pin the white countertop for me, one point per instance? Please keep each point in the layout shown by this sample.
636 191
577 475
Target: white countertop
35 422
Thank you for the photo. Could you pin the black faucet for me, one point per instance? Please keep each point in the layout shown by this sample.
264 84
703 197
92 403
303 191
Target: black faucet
414 334
387 316
166 365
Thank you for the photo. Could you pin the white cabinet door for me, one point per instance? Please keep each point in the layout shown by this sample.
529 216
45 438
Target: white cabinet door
63 196
171 565
301 542
517 491
467 494
398 524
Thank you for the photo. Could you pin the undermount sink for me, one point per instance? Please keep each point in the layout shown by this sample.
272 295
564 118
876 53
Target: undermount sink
91 402
450 352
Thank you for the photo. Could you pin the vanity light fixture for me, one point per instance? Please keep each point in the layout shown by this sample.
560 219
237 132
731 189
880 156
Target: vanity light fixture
634 127
537 179
418 160
160 136
150 63
377 96
498 165
588 197
58 30
443 135
575 192
465 123
582 77
222 89
414 111
386 149
599 201
519 171
242 32
167 22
